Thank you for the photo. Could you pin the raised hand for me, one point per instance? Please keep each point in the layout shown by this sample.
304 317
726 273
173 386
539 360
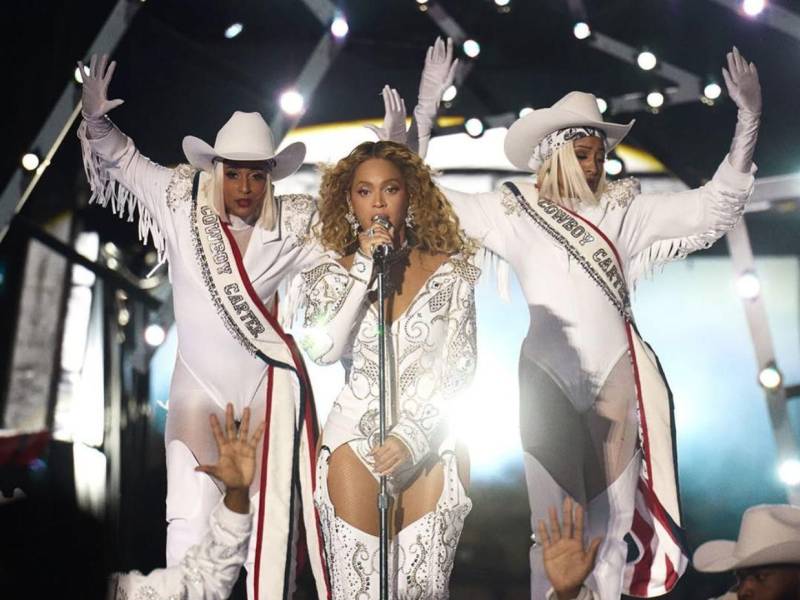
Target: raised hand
437 75
237 452
741 79
567 561
95 87
394 120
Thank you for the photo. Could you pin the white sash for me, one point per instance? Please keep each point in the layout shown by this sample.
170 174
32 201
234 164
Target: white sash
656 529
289 452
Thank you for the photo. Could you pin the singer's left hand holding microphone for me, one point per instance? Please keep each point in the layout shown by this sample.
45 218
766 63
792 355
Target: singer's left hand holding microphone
374 236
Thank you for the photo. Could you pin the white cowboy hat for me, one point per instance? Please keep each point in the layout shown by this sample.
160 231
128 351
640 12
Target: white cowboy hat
245 137
769 534
576 109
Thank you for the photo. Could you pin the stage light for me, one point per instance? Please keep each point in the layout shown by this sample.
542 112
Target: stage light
502 3
422 1
602 106
770 377
474 127
748 286
525 111
77 74
581 30
339 27
450 94
655 99
613 166
292 102
233 30
789 471
712 91
154 335
471 48
30 161
646 60
753 8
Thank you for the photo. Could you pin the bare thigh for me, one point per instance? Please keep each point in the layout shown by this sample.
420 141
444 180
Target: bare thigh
353 490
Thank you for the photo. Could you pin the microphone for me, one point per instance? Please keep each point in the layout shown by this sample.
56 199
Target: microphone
381 251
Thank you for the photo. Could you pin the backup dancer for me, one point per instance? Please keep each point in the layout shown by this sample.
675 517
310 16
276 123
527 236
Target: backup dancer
430 341
229 243
595 410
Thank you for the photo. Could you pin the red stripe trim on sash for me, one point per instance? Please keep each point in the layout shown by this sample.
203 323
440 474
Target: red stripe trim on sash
639 399
263 485
301 371
641 573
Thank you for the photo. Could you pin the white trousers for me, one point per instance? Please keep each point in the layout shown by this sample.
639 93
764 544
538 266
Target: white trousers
608 515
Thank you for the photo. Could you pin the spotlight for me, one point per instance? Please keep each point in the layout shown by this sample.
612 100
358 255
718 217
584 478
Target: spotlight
502 3
613 166
646 60
233 30
602 106
292 102
655 99
77 74
753 8
581 30
712 91
474 127
789 471
770 377
30 162
525 111
471 48
748 286
450 94
154 334
339 27
422 1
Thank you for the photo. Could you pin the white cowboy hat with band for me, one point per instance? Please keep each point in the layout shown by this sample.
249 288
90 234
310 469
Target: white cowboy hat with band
576 109
769 535
245 137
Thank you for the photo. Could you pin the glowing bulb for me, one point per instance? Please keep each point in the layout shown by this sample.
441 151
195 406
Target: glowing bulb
525 111
581 30
753 8
154 334
655 99
450 94
748 286
613 166
292 102
422 1
602 106
474 127
770 377
789 471
471 48
502 2
77 74
30 162
233 30
339 27
712 91
646 61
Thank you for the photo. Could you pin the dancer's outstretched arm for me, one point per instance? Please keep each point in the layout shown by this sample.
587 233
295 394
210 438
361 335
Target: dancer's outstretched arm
210 569
110 158
662 227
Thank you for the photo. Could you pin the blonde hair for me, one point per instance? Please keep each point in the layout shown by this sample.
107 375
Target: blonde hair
436 227
214 185
561 179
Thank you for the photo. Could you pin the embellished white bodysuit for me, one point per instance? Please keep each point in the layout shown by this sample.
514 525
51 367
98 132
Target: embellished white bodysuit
431 352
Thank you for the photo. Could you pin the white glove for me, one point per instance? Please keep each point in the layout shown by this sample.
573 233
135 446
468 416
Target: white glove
95 88
741 79
437 76
394 120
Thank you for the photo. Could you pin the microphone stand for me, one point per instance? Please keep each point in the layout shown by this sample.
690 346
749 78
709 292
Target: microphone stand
383 494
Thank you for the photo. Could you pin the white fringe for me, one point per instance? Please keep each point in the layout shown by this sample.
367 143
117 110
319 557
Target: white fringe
486 260
106 190
727 209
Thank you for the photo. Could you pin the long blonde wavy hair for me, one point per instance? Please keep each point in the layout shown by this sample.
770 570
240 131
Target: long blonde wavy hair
436 227
561 179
